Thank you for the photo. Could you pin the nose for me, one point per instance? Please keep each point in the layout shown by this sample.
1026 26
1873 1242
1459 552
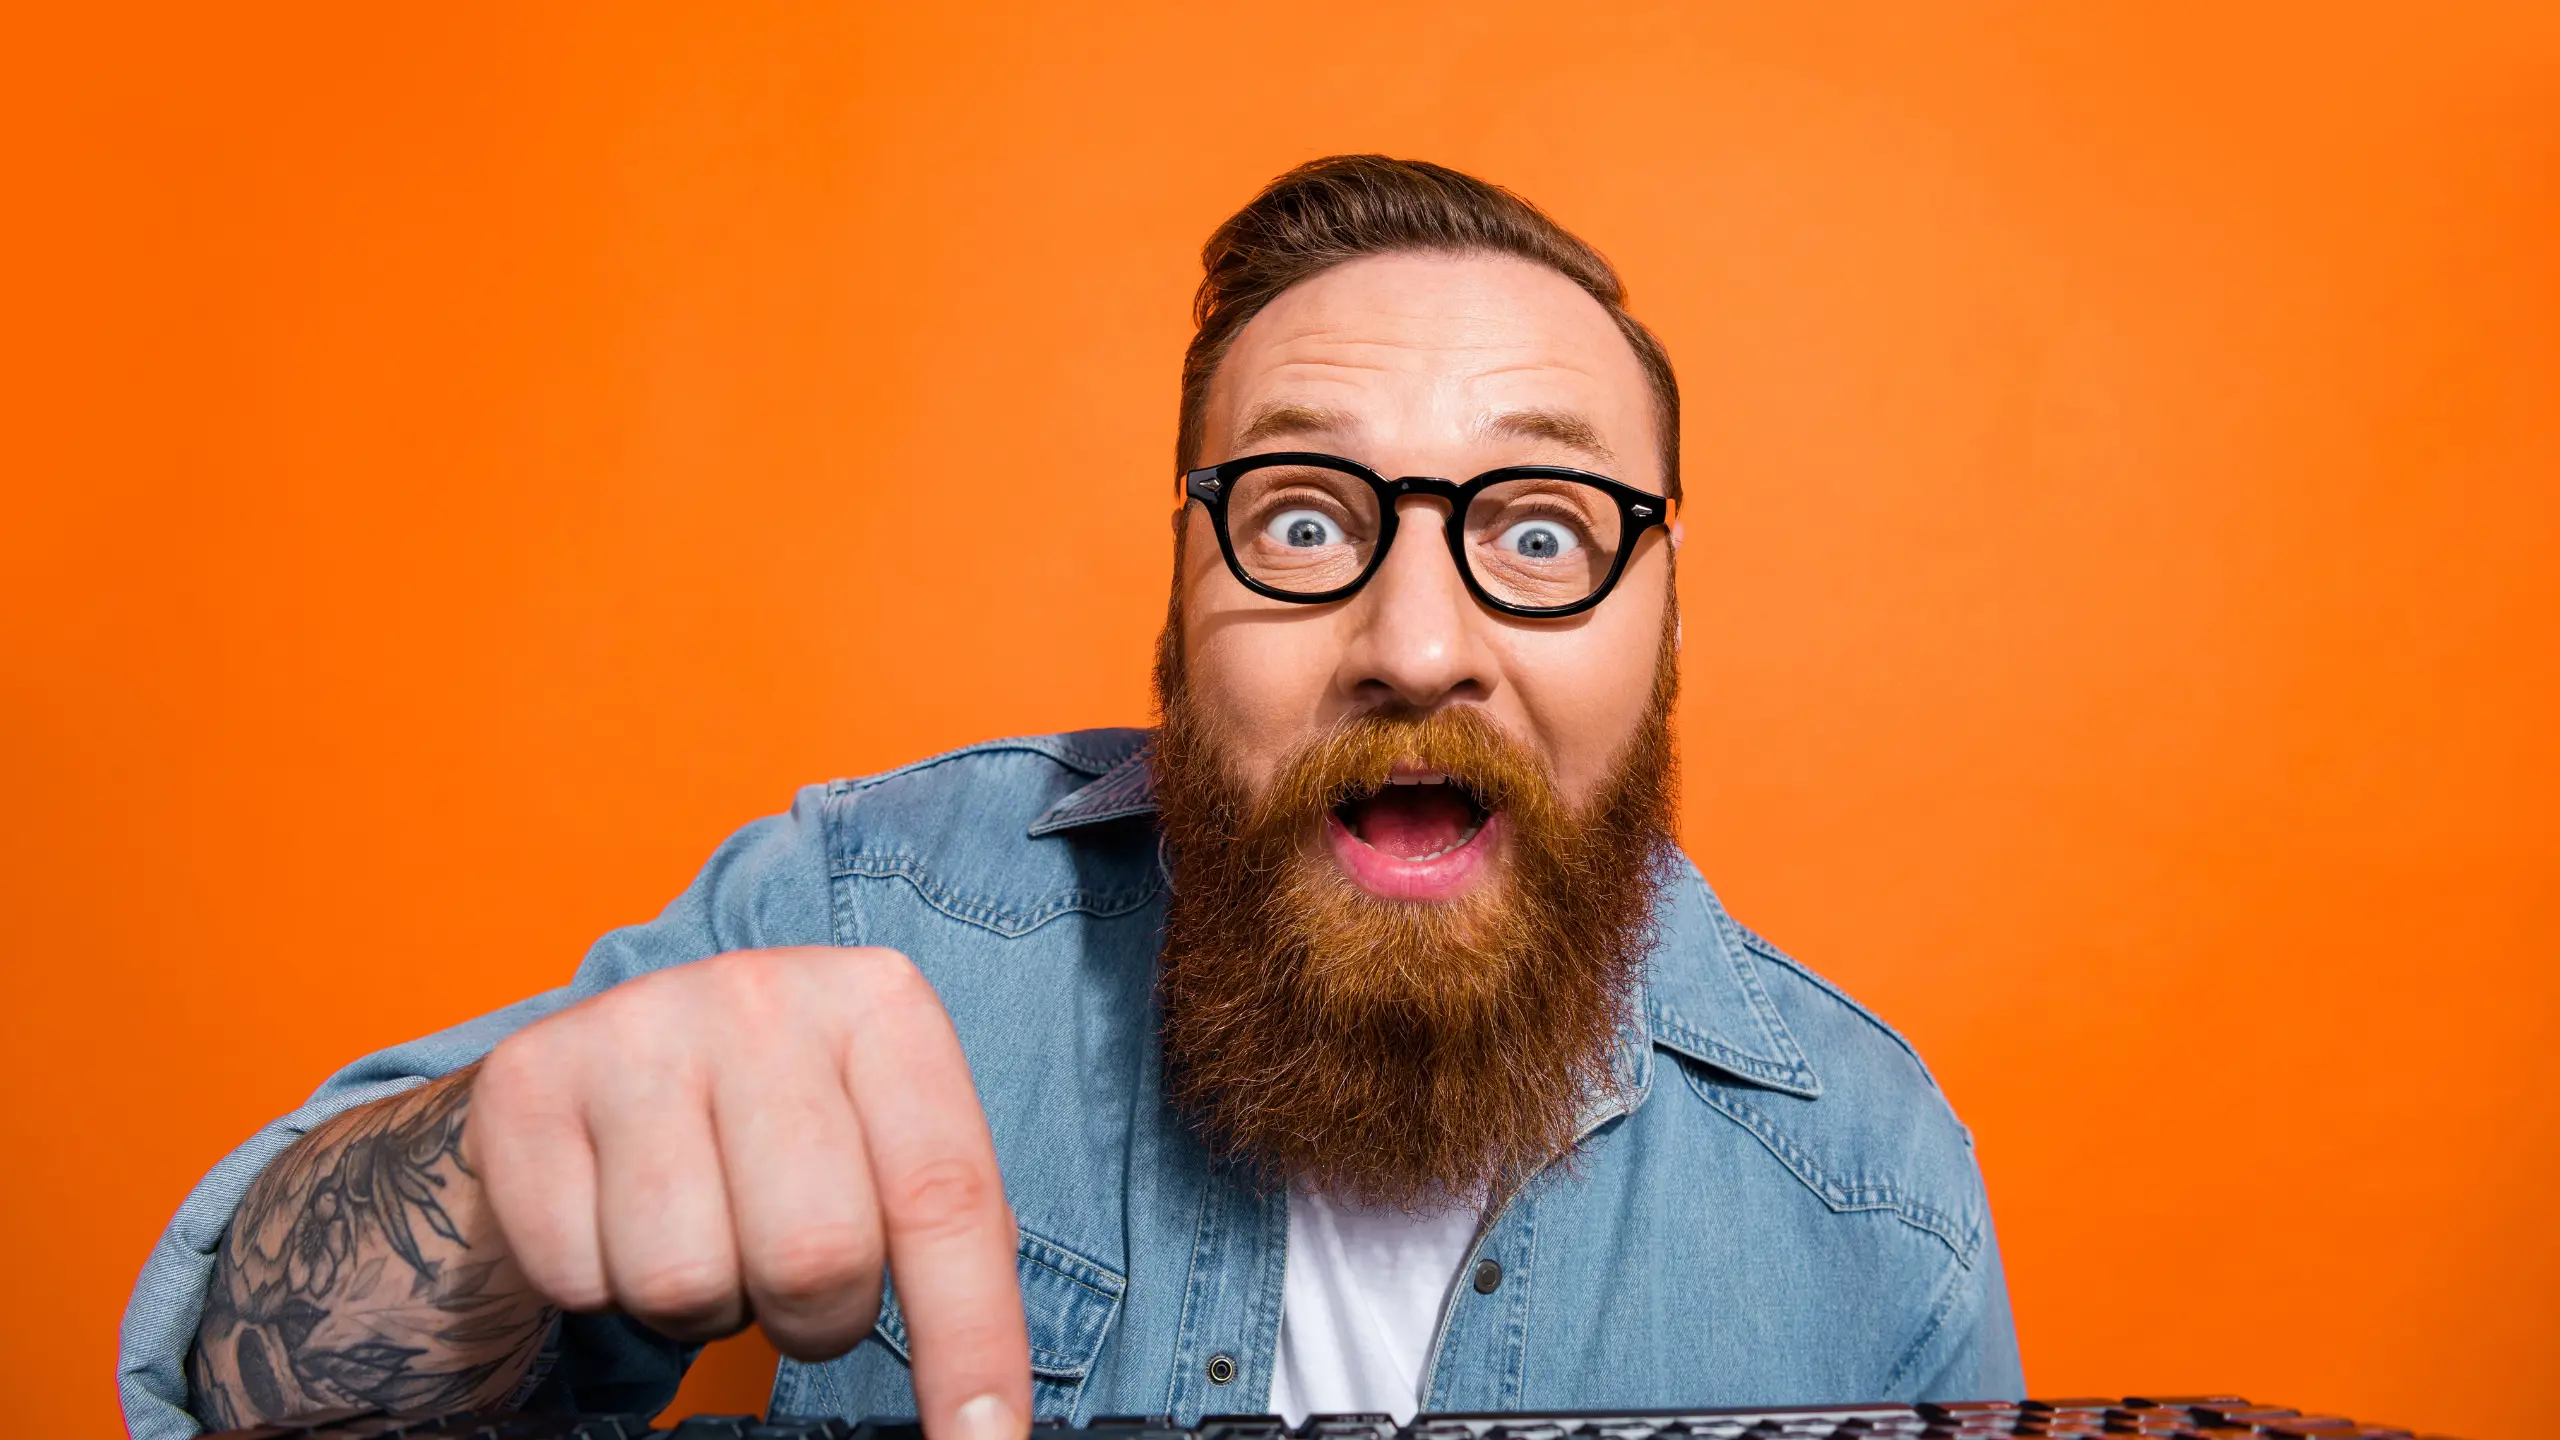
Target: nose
1417 640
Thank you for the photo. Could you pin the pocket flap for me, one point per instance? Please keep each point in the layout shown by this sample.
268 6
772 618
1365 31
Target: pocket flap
1068 1301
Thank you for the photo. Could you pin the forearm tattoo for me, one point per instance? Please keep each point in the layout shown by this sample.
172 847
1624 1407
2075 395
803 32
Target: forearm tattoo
347 1280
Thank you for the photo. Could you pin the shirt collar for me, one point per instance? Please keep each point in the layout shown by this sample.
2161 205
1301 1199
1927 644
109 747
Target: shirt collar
1703 996
1125 789
1700 995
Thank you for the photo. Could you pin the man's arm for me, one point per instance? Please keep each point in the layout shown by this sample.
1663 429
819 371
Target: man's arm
364 1268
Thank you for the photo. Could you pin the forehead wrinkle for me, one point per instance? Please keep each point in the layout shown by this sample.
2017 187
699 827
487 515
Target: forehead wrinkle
1550 362
1433 345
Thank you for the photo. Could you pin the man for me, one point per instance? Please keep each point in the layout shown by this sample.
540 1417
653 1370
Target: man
1358 1041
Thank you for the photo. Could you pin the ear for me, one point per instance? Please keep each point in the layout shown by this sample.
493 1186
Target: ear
1678 533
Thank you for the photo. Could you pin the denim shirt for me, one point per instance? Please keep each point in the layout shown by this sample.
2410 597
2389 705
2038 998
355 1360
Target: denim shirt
1773 1205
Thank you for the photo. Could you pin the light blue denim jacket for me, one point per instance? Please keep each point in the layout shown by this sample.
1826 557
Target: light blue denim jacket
1775 1206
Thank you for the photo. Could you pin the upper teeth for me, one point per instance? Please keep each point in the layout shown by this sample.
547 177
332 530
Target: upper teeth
1425 777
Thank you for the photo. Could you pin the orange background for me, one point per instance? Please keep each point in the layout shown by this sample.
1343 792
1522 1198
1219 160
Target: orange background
463 460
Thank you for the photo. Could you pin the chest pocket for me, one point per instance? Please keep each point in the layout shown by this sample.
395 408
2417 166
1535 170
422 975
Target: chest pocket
1068 1303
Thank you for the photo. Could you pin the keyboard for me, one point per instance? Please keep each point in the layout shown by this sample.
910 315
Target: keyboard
2167 1417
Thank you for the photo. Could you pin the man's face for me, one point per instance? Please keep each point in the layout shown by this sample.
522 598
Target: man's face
1416 844
1420 364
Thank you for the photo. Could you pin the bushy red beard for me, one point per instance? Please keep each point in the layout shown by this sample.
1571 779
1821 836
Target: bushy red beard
1398 1052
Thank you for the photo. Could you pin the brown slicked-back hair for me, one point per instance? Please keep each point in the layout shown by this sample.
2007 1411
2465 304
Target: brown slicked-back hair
1346 207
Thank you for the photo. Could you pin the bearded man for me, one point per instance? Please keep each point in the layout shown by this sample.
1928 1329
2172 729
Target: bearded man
1356 1041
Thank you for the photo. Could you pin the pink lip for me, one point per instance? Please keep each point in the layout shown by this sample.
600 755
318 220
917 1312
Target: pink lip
1442 877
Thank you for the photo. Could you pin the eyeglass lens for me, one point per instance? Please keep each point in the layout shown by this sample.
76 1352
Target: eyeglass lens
1534 543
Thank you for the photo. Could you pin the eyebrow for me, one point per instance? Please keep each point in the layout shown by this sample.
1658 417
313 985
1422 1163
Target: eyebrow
1556 427
1559 427
1292 418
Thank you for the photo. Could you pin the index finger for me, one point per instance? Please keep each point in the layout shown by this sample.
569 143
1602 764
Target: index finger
951 1237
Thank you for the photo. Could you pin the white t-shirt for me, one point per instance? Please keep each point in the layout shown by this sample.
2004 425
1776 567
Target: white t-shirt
1359 1303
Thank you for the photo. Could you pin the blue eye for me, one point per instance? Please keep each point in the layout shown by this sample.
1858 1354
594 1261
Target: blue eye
1539 540
1303 529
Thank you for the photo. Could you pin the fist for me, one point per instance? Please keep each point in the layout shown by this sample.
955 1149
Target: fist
753 1137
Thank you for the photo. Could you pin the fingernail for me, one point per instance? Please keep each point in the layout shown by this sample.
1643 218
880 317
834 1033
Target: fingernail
986 1418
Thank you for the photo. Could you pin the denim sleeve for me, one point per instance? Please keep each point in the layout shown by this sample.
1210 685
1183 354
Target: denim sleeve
1979 1354
766 886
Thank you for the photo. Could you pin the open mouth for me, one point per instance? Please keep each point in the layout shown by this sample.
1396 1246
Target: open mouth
1420 836
1419 816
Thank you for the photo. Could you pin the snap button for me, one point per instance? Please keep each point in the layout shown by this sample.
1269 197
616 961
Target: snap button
1488 1277
1222 1369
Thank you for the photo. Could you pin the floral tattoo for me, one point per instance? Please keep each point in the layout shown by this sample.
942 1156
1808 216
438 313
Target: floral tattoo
346 1280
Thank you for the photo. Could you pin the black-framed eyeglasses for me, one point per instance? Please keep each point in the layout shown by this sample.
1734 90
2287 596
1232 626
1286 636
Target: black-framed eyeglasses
1539 541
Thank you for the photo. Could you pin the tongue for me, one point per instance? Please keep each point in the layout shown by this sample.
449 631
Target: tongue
1412 821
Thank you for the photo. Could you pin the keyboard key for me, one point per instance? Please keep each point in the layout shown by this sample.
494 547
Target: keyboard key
1348 1427
788 1427
714 1427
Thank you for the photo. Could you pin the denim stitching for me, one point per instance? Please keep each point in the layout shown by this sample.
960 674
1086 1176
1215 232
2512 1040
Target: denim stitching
1723 928
1101 1279
1515 1328
1955 1235
1183 1341
1058 1260
1761 946
1046 1363
1799 1080
987 915
1102 1283
1125 790
1764 1009
1958 1269
847 898
1786 1066
845 798
1268 1297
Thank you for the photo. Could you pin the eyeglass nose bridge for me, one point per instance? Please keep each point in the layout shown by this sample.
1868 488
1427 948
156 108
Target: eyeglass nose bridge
1428 487
1431 487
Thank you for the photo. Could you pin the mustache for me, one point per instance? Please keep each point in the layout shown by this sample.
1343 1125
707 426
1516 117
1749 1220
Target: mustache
1357 756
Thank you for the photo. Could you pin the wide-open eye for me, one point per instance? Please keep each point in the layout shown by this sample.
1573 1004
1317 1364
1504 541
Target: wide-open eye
1544 538
1542 541
1303 529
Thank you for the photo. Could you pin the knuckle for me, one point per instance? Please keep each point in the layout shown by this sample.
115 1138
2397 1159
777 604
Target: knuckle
687 1294
811 1342
515 1089
815 1266
745 987
510 1071
942 1196
631 1020
895 987
880 966
580 1294
758 989
878 956
740 969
